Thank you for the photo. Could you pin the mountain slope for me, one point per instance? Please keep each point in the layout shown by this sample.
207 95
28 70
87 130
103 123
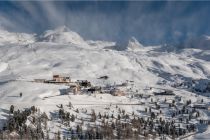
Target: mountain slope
128 45
15 38
133 44
62 35
61 51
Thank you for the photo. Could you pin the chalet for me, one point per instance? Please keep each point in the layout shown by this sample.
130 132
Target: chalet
117 92
74 88
61 79
84 83
58 79
164 92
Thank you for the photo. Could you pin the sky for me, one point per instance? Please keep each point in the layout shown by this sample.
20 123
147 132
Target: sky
150 22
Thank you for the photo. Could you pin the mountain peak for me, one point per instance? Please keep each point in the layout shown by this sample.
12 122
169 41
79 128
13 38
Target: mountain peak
133 39
130 44
63 35
133 44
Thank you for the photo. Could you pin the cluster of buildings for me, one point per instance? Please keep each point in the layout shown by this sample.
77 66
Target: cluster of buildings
80 86
57 79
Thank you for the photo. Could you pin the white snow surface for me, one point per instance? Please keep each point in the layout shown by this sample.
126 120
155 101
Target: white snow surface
15 38
62 35
64 51
134 44
3 66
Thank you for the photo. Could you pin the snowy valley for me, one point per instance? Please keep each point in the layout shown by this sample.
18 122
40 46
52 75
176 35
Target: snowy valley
60 86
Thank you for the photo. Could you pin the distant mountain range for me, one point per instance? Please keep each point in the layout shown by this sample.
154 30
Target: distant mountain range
64 35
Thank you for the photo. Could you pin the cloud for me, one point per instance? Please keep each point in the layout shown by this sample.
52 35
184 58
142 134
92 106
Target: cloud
149 22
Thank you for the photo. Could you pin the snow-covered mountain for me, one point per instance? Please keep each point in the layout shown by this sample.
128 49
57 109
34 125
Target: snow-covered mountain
128 45
135 61
133 44
15 38
141 64
61 51
62 35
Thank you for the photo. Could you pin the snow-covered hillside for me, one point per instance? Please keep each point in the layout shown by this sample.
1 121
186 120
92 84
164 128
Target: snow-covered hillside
15 38
62 35
62 51
127 45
